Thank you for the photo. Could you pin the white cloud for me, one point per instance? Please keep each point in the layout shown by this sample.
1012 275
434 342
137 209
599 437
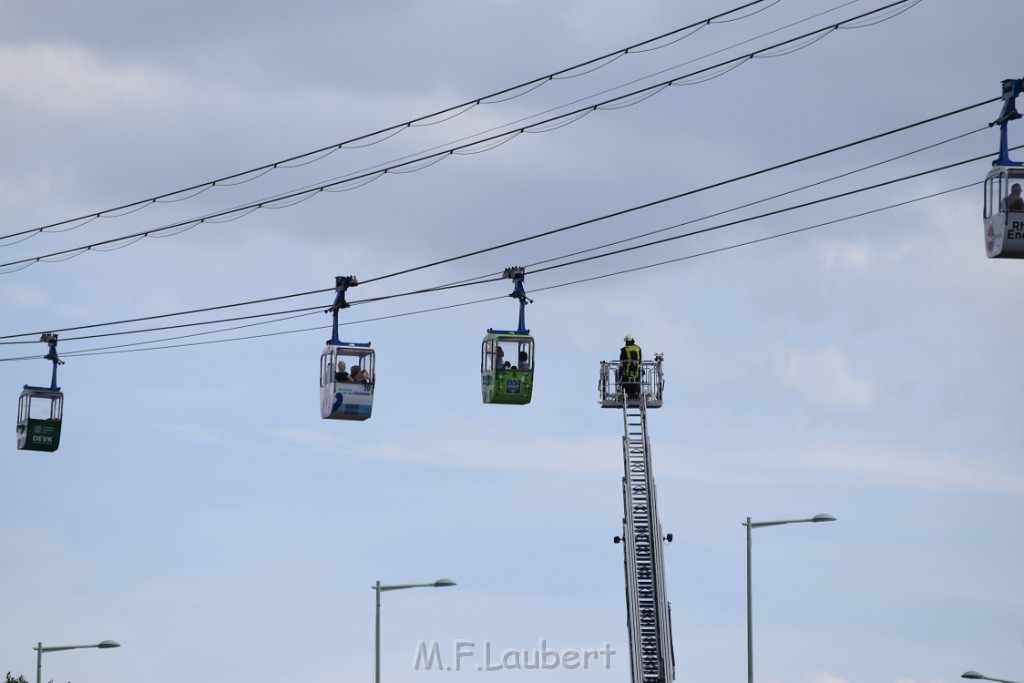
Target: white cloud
194 433
19 295
69 79
841 258
882 465
825 677
571 454
825 378
607 23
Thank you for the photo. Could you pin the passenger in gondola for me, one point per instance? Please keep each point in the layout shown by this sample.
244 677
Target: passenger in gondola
360 374
524 361
1013 201
341 375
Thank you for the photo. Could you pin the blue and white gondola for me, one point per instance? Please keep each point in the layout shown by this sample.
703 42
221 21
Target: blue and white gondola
1004 223
348 371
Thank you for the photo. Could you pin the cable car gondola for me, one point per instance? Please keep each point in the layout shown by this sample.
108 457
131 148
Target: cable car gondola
507 357
41 409
1003 208
347 370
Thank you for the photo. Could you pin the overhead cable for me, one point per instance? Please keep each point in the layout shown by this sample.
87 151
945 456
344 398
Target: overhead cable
306 193
588 258
715 250
33 336
502 95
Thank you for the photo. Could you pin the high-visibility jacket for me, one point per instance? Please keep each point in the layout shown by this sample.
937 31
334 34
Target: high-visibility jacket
629 365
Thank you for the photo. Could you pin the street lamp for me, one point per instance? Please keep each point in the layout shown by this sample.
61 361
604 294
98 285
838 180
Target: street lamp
750 629
378 589
53 648
978 676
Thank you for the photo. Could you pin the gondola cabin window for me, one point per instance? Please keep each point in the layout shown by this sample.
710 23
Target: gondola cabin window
507 368
1003 212
347 378
40 412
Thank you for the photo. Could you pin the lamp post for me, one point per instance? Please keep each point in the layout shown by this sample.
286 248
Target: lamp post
378 589
977 676
750 629
54 648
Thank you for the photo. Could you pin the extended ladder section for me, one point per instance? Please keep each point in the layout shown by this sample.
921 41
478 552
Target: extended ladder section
649 617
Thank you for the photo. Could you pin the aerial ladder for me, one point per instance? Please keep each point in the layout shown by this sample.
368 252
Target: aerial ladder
648 612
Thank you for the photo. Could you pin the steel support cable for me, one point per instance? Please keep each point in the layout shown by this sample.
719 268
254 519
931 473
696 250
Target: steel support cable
691 61
767 214
581 114
687 193
590 258
504 245
295 312
86 352
114 350
302 311
13 266
755 202
160 316
385 133
746 243
721 226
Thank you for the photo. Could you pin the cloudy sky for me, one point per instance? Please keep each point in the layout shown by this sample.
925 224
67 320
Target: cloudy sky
835 339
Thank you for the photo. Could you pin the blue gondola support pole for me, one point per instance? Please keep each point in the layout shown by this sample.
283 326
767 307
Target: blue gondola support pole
51 355
518 274
1011 88
341 285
